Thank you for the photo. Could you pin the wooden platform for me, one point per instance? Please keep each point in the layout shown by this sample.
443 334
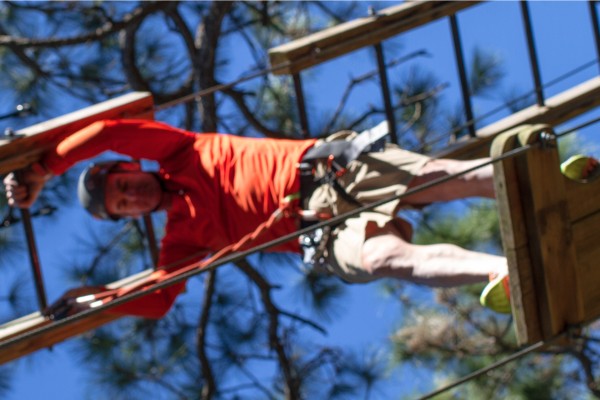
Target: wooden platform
14 345
551 234
28 143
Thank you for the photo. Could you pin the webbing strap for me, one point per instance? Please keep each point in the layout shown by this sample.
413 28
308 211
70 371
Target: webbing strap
346 151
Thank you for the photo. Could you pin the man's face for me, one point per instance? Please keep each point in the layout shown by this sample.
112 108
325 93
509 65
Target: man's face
132 193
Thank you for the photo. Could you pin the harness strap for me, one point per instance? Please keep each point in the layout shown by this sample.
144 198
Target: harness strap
338 153
344 152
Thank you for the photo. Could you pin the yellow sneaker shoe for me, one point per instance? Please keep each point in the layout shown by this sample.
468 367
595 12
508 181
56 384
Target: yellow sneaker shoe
496 295
580 167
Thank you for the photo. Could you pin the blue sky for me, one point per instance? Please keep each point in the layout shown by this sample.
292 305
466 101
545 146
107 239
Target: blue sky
564 42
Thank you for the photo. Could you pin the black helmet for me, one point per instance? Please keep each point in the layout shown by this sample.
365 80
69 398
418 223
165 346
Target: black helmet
91 188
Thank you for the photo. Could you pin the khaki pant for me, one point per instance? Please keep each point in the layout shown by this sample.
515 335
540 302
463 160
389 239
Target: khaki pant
372 177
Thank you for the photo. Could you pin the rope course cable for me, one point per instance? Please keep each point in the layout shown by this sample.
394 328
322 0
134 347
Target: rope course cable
513 357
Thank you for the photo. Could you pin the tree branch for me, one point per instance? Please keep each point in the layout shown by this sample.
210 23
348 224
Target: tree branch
105 30
238 99
128 57
207 39
291 379
210 387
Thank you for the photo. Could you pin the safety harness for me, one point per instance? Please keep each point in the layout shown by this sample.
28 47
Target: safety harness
336 155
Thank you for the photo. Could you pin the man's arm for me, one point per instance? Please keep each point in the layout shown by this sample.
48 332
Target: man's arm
136 138
154 305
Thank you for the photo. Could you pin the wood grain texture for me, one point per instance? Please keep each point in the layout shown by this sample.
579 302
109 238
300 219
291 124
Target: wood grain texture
19 347
29 143
550 235
347 37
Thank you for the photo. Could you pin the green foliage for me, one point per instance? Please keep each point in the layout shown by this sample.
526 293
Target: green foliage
486 72
420 108
471 225
322 293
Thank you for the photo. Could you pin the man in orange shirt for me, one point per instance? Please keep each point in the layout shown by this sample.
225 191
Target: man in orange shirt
218 188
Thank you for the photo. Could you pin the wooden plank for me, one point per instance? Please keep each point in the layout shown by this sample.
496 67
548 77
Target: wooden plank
550 237
353 35
523 296
558 109
586 235
582 198
515 239
28 143
28 323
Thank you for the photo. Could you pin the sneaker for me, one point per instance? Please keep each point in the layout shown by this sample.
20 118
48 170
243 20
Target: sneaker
496 295
580 167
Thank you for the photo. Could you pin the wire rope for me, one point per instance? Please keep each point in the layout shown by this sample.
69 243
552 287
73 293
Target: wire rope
513 357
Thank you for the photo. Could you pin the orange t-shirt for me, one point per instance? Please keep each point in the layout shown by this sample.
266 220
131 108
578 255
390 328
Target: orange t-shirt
224 186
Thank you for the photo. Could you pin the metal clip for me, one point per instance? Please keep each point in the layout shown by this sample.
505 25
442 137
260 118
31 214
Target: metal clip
547 140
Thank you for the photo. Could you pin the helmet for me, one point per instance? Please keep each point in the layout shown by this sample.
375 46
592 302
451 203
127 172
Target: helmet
91 187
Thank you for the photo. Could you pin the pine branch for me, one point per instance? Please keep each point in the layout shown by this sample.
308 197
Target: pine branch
238 99
128 57
106 30
291 379
587 369
210 387
207 40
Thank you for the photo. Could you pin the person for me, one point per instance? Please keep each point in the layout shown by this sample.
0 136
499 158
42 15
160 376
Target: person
216 188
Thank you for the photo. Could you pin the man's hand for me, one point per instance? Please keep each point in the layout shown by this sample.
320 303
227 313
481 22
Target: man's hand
72 302
23 187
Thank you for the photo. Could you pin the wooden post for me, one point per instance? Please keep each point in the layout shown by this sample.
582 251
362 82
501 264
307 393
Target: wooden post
549 232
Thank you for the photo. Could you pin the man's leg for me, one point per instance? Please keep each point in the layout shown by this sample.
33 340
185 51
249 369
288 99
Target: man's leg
477 183
437 265
377 246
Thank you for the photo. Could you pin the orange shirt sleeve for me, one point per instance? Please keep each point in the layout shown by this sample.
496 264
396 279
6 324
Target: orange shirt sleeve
136 138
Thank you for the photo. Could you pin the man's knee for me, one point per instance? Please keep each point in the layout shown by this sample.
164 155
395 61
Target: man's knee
388 256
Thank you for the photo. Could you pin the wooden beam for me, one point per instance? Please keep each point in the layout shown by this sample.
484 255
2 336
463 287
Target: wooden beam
28 143
353 35
586 236
549 228
550 234
13 347
524 299
558 109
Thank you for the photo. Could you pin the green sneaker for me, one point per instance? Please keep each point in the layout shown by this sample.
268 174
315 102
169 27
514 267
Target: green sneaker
580 167
496 295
